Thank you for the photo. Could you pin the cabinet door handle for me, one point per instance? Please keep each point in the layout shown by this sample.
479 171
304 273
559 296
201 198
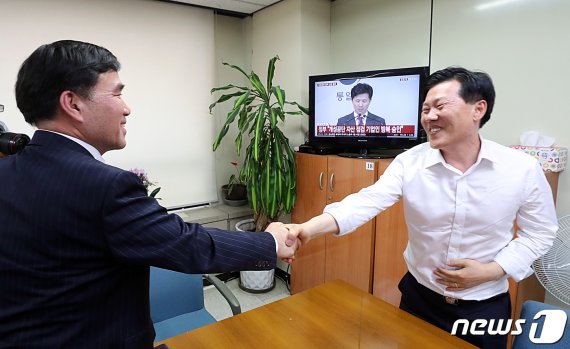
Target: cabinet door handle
331 185
321 181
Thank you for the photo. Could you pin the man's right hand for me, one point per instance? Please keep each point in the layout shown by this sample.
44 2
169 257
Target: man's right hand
313 228
287 241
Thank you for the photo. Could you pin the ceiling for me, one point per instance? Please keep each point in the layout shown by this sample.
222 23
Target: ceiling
238 8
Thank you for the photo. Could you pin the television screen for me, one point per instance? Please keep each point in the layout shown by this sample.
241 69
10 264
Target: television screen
366 112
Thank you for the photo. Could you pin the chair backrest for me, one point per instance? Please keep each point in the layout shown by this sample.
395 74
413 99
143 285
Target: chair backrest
173 293
546 325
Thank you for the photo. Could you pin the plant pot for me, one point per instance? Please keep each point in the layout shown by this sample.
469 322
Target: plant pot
254 281
237 197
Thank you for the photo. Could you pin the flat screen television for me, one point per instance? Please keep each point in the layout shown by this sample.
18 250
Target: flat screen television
391 115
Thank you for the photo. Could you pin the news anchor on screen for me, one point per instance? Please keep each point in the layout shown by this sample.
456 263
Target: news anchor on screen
361 95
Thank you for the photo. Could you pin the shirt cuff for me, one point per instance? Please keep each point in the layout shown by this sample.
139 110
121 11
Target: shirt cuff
514 267
276 243
338 213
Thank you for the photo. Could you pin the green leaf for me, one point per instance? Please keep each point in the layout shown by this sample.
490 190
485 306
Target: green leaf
221 135
287 192
253 187
277 152
241 100
238 143
279 181
290 192
231 116
243 122
258 131
293 112
289 151
250 100
227 87
301 108
271 71
272 118
269 185
224 98
279 94
256 83
154 192
236 68
252 119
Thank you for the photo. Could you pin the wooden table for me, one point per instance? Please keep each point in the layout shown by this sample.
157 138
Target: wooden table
333 315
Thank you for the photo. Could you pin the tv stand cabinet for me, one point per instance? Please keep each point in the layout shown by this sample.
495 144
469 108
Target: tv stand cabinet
324 179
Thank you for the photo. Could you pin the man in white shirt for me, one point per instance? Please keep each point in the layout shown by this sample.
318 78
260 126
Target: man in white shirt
462 195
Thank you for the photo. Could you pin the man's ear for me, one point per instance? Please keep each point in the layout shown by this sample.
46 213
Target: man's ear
71 104
480 108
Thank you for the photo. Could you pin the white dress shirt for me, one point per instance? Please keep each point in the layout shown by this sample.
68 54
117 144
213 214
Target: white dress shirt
452 215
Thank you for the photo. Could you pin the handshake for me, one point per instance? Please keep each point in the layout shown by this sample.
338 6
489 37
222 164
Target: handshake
289 238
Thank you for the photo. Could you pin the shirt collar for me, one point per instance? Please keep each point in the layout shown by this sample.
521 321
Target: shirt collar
486 151
363 115
434 155
91 149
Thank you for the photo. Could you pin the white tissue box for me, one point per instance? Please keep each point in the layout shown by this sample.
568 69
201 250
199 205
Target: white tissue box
552 159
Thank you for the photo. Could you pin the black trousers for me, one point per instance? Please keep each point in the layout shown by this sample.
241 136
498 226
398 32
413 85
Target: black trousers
432 307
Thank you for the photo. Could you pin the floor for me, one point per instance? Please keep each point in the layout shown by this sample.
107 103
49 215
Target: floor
219 308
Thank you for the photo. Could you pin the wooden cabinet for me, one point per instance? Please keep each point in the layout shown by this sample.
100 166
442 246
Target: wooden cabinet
323 179
308 270
370 258
350 257
390 243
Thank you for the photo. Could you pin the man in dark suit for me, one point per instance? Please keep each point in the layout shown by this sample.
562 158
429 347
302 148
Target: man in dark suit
361 95
78 235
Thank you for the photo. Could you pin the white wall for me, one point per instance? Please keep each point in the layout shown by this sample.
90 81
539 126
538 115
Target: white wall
231 47
315 47
524 46
379 34
280 36
167 55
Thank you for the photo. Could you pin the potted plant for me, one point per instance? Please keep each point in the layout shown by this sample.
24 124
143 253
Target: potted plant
235 192
269 169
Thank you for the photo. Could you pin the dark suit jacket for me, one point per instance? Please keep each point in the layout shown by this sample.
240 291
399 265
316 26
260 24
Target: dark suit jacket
77 237
371 119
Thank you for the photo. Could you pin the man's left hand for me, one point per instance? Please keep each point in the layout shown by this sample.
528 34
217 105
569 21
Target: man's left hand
467 273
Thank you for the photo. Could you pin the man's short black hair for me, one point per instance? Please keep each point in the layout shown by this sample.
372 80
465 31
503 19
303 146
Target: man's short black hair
475 86
361 88
57 67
